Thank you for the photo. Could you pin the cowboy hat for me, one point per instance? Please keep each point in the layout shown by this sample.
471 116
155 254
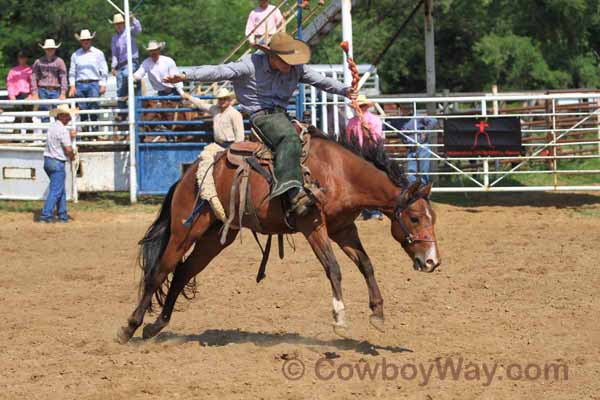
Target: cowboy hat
223 93
85 35
117 19
49 44
155 45
63 109
290 50
362 100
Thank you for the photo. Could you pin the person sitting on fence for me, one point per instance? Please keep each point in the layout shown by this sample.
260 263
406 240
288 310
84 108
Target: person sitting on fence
418 162
88 73
59 148
119 53
158 67
355 132
228 123
49 76
263 22
263 83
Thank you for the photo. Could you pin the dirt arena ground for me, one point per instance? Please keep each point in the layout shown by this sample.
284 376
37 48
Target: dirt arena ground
515 300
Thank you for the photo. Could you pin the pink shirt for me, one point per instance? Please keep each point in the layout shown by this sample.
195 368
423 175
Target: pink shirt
18 81
256 17
354 128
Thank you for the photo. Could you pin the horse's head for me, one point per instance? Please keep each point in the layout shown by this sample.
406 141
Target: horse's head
413 226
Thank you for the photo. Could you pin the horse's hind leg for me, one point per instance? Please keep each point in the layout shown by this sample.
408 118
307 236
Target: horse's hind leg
207 248
180 241
350 243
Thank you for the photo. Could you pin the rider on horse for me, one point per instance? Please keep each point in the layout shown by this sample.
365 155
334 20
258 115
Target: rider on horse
263 83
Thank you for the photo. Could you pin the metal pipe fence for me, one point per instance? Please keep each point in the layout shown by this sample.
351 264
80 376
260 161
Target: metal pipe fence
560 134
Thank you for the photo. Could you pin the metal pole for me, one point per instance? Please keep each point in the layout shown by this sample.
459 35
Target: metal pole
300 98
347 37
430 53
131 107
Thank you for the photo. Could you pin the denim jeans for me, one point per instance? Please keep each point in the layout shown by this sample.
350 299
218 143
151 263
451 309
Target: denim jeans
122 76
57 195
416 164
45 93
91 89
368 214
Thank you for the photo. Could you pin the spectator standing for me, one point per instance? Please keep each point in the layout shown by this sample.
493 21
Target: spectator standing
59 148
18 81
49 76
18 84
87 73
228 123
418 155
354 131
119 53
159 67
265 20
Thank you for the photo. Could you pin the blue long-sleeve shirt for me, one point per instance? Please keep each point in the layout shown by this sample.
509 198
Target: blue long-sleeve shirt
415 124
257 86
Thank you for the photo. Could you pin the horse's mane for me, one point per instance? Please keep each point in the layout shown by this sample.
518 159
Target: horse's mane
372 151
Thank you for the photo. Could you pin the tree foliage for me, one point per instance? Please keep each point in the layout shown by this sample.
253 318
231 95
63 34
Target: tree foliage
518 44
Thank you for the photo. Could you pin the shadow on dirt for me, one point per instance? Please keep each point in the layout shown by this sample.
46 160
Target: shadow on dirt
220 337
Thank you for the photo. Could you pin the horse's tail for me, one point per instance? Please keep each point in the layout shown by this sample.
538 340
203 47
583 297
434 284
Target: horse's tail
153 245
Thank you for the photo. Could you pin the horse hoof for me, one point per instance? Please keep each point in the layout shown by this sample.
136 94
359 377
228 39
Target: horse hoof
341 330
377 323
122 336
150 331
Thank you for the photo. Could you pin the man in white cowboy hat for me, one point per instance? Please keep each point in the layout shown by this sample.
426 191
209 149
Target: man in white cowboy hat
159 67
228 123
88 73
119 53
58 149
49 76
263 84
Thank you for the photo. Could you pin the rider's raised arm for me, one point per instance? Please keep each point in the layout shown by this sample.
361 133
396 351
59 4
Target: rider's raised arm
223 72
330 85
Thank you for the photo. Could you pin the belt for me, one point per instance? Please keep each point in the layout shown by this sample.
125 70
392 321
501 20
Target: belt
50 87
226 143
87 80
268 111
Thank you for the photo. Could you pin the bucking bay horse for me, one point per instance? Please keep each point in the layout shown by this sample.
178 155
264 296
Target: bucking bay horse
352 179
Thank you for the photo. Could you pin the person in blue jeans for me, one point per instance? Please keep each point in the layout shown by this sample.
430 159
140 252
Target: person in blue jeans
58 150
48 76
416 128
88 73
119 54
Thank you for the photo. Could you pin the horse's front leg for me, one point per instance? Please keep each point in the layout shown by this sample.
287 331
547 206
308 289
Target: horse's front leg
316 234
350 243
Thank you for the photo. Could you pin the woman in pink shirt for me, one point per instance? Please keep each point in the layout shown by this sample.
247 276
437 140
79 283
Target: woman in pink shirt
18 81
354 128
264 19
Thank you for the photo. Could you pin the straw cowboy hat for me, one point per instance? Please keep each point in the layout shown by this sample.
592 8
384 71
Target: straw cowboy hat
290 50
63 109
85 35
362 100
49 44
223 93
117 19
155 45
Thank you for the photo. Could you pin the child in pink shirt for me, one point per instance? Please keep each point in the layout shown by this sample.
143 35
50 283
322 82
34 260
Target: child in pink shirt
354 128
270 26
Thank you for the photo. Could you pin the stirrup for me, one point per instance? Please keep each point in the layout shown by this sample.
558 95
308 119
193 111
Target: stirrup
301 203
